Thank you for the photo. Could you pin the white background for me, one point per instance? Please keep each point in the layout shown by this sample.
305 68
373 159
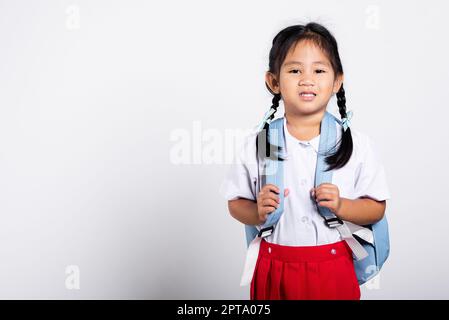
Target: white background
92 91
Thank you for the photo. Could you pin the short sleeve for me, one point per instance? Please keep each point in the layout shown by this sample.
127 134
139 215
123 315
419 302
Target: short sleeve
241 178
370 177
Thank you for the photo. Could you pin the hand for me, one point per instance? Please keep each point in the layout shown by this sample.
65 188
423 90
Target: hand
268 201
327 195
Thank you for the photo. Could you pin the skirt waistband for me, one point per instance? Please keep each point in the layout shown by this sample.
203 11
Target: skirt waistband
305 253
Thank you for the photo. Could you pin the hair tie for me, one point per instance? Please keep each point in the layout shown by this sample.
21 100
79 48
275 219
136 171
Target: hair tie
345 122
267 115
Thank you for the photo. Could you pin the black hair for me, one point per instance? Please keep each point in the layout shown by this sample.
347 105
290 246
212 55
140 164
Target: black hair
320 36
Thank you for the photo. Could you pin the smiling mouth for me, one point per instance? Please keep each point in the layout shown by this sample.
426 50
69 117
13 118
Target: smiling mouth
307 96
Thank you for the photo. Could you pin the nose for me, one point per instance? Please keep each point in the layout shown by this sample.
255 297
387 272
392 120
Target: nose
306 82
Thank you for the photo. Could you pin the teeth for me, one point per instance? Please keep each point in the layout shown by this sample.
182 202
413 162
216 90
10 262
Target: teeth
307 94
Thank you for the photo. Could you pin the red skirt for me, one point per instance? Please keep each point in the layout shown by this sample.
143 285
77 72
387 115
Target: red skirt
309 273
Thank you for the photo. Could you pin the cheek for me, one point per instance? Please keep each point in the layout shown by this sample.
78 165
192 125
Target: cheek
288 80
289 86
327 85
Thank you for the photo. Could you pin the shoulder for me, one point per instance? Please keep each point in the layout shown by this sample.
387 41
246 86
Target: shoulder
360 139
241 178
363 145
246 148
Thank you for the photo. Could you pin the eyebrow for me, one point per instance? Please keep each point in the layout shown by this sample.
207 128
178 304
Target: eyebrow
299 62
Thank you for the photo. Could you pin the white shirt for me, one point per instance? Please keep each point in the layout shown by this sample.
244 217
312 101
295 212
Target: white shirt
301 224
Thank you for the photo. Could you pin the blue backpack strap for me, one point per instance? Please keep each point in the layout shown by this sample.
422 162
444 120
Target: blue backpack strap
273 173
328 138
327 146
274 169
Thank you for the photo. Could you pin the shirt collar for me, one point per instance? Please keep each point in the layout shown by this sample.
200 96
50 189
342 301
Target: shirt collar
314 142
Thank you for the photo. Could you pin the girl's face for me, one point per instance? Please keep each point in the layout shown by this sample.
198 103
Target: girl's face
306 81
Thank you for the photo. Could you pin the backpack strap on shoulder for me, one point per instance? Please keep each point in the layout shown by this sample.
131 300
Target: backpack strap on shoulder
328 138
272 173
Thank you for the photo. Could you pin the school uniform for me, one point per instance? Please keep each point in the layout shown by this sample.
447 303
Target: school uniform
303 258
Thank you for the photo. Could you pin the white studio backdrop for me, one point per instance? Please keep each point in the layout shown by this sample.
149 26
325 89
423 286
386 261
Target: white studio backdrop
98 100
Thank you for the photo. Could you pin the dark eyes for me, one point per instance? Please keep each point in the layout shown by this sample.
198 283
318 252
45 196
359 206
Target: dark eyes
317 71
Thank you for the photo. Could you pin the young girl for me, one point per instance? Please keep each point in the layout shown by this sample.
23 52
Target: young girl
303 258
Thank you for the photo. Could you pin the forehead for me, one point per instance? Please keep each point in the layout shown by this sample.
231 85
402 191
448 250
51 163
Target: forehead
306 52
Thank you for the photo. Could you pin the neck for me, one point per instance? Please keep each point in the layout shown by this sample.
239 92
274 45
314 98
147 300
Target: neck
304 127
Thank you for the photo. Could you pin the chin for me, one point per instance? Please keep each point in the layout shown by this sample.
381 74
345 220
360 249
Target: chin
306 108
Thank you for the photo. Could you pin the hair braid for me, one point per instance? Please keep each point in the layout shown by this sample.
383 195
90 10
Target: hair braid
346 146
265 131
275 106
341 102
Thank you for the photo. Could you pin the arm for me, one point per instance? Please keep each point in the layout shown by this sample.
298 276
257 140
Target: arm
361 211
244 210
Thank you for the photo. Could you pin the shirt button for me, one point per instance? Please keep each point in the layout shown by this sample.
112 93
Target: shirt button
305 219
333 251
303 182
269 249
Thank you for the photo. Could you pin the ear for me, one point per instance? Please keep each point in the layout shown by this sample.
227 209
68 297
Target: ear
272 83
337 83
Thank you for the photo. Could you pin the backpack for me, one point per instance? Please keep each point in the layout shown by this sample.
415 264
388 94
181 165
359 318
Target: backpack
369 244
